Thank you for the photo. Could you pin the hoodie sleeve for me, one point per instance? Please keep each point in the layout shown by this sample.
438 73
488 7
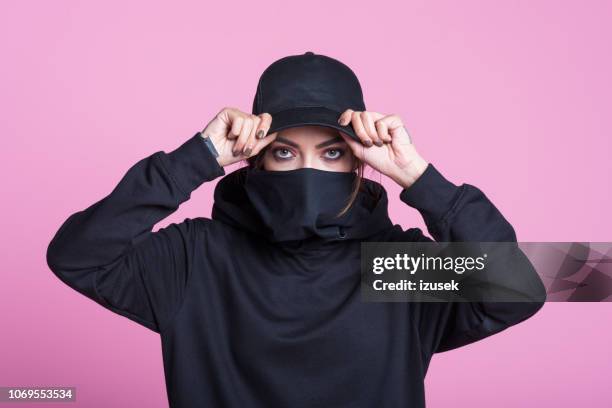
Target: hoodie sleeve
108 251
463 213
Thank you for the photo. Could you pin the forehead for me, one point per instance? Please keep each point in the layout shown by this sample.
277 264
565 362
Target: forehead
308 134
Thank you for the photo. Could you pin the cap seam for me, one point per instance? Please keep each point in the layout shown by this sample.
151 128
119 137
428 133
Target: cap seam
304 107
261 77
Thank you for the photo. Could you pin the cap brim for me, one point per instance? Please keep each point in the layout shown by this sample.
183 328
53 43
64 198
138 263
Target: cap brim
316 116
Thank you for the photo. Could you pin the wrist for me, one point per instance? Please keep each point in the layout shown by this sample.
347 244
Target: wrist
409 174
190 164
211 147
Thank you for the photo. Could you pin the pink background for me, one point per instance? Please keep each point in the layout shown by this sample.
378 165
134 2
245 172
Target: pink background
513 97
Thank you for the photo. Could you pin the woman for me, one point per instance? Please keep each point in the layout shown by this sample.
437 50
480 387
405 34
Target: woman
259 306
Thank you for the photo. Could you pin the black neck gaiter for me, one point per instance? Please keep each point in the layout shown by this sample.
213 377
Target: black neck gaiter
301 203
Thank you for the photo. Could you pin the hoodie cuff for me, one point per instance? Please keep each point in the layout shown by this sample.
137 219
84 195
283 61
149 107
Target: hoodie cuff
192 163
431 194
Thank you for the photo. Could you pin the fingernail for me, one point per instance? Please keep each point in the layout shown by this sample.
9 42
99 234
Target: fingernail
260 133
234 153
340 122
247 151
368 143
378 143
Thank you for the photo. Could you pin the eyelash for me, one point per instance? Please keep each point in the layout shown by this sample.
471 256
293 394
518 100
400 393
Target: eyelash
340 150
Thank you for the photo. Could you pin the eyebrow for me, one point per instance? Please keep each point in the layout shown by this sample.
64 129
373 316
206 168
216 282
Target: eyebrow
320 145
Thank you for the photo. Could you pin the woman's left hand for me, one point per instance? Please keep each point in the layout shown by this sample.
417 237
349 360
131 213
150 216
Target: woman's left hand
385 145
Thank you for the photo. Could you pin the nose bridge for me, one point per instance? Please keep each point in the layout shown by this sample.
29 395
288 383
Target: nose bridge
308 158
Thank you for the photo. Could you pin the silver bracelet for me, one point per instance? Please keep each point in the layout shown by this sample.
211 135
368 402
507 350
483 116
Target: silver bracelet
209 144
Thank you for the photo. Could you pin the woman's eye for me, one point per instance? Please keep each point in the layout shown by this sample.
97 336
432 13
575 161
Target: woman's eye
282 153
334 154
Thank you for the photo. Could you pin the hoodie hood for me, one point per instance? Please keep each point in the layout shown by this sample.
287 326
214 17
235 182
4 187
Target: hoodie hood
244 200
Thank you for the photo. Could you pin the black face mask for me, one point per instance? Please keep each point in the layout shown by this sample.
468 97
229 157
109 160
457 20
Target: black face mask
301 203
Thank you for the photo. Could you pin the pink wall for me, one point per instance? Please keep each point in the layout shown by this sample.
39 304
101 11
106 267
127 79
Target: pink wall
513 97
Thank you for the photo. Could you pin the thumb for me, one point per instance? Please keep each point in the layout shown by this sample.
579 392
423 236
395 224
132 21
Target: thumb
354 145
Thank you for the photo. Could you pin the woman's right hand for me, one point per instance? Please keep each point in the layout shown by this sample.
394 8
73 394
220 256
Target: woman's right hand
237 135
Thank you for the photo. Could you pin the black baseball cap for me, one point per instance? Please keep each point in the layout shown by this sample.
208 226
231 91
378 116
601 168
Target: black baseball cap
308 89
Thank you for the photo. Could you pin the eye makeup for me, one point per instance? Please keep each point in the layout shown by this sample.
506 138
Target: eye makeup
285 153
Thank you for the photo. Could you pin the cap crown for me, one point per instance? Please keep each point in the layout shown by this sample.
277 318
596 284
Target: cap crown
307 80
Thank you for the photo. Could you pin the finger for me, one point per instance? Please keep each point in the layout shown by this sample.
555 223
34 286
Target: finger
383 131
261 143
396 129
236 126
356 147
360 130
345 117
245 131
264 125
376 115
368 124
383 134
250 142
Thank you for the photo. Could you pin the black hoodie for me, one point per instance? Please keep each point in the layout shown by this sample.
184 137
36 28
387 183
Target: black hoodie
246 322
